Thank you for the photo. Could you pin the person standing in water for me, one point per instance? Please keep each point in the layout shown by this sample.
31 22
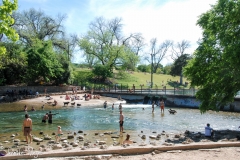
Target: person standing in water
120 107
27 128
162 105
121 120
50 117
113 106
105 104
153 103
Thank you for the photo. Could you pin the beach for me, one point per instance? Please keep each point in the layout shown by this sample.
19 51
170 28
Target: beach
186 145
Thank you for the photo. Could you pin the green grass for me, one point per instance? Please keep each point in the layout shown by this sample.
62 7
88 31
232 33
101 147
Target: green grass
139 78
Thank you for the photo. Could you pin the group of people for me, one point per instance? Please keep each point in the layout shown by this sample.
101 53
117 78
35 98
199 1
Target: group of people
47 116
162 105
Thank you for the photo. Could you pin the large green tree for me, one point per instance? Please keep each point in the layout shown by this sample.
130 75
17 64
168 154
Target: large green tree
106 42
215 66
6 22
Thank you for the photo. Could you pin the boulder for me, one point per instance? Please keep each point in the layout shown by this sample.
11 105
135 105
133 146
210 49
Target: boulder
70 136
80 137
143 137
16 140
152 136
36 139
57 146
47 137
80 131
74 144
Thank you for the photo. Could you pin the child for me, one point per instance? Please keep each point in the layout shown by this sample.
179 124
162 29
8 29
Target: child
59 133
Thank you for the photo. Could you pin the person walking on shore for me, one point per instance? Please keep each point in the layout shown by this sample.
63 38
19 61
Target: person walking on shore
59 133
121 120
27 128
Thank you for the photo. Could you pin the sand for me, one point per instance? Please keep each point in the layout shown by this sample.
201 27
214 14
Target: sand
193 151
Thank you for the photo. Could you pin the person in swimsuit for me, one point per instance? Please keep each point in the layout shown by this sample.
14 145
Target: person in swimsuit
121 120
50 117
120 106
45 117
153 103
127 140
105 104
59 133
27 128
113 106
162 105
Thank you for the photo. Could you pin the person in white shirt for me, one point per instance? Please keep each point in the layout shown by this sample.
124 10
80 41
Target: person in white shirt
208 131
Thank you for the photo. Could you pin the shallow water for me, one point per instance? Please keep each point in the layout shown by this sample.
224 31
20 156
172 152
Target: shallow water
136 119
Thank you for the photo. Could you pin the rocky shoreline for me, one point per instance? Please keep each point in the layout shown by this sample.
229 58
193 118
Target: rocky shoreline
81 141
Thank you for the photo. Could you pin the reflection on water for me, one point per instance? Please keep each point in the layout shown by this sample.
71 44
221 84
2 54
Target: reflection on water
136 119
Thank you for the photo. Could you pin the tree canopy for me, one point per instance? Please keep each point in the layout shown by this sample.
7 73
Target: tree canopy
215 66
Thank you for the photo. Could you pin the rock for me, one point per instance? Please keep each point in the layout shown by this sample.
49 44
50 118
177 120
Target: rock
233 140
80 131
96 134
85 144
36 139
57 146
75 133
38 143
114 136
153 153
65 141
74 144
5 141
157 151
177 136
47 138
152 136
107 133
13 135
41 132
103 147
154 132
53 133
101 142
168 144
80 137
51 141
159 136
187 132
141 131
16 140
63 138
143 137
70 136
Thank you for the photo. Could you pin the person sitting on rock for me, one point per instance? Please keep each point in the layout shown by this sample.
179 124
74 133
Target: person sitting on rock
127 140
208 131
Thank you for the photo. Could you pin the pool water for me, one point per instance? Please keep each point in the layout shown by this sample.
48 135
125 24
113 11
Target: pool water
136 119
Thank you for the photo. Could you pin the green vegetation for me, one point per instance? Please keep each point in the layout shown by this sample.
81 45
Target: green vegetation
215 65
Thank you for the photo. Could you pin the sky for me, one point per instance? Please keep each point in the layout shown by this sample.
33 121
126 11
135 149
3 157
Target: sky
162 19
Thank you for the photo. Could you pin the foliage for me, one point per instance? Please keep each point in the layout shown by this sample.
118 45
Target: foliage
144 68
180 62
215 66
15 64
6 21
121 74
167 69
102 72
42 62
106 44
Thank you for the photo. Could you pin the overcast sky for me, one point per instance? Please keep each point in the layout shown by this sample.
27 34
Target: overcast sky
162 19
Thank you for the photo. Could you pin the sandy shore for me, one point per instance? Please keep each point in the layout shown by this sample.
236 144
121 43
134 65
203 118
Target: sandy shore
226 146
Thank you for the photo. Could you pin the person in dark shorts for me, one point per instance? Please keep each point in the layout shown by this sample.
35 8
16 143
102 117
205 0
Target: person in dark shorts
50 117
121 120
27 128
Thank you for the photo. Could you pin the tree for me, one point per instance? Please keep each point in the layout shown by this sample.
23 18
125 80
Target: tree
157 53
215 66
179 50
102 72
105 41
43 63
176 69
6 22
33 24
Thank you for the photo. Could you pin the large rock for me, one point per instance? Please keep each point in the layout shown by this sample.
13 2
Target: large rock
36 139
152 136
70 136
47 137
80 137
57 146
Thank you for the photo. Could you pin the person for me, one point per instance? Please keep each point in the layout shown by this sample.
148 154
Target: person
121 120
27 128
127 140
50 117
208 131
113 106
120 106
54 102
119 97
33 109
133 88
25 108
105 104
59 133
42 107
45 117
162 105
153 103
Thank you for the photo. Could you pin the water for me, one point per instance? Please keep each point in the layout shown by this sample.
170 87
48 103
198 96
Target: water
136 119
